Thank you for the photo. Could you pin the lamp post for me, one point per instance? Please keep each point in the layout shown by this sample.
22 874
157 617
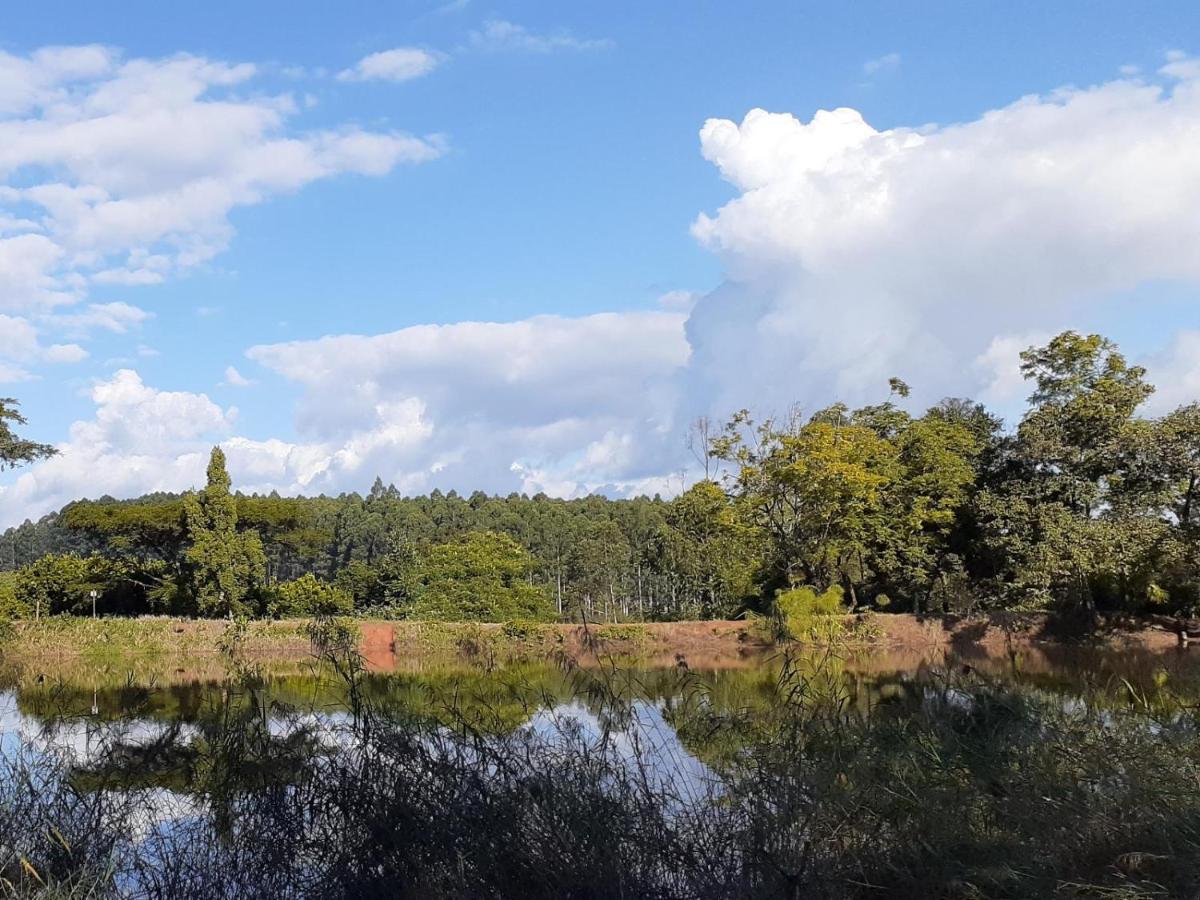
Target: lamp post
94 594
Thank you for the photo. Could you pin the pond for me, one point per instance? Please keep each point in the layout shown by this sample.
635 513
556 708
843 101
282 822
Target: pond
206 767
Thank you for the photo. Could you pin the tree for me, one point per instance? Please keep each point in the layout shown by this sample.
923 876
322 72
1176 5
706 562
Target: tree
308 596
935 477
224 566
710 551
15 451
1177 461
479 576
815 489
53 584
1070 517
1077 429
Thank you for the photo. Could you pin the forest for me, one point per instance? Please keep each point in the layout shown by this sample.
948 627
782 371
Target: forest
1086 504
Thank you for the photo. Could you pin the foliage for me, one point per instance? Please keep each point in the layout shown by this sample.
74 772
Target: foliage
14 450
1086 505
307 596
10 606
481 576
224 565
802 614
53 584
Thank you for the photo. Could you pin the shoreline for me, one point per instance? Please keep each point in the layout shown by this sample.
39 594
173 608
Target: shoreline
695 641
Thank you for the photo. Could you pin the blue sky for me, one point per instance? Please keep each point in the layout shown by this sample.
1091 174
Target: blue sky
560 175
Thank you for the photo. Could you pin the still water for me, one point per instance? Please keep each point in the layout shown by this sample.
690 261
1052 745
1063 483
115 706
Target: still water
81 711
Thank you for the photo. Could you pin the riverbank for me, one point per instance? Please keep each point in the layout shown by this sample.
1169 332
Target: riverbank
705 644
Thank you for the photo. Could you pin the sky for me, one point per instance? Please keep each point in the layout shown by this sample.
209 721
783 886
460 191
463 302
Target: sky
519 247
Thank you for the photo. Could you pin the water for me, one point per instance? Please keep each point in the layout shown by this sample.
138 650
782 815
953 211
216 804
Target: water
82 711
209 763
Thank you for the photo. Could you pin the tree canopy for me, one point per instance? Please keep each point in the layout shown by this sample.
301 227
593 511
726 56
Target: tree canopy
1084 503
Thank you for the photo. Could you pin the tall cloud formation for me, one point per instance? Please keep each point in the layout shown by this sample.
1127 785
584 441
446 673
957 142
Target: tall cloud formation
852 255
125 171
855 254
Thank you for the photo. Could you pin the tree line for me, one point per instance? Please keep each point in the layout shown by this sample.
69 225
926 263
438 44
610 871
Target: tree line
1085 504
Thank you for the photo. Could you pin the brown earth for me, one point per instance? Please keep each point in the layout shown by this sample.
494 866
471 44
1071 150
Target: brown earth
388 645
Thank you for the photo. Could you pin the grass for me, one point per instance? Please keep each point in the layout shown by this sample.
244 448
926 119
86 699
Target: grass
109 640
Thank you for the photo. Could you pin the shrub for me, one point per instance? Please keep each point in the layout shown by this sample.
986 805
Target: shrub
804 615
10 606
308 596
53 584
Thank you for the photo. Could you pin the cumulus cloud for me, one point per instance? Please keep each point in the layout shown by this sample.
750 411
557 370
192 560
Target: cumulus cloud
567 405
140 439
20 346
499 34
399 64
935 253
65 353
484 396
118 171
854 254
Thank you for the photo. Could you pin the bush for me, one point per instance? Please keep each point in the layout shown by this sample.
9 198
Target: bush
10 606
53 584
308 596
804 615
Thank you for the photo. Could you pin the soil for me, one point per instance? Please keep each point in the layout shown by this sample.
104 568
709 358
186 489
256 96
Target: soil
698 644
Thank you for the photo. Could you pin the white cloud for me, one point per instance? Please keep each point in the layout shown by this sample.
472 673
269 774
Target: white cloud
933 253
117 318
234 378
125 172
855 254
20 345
65 353
1175 373
885 63
399 64
538 392
140 439
498 34
548 403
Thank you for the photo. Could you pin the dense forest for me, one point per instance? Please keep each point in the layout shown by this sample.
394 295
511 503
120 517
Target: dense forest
1085 504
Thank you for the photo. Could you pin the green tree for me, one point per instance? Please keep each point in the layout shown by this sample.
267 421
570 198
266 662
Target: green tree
710 551
935 477
14 450
1078 427
816 490
1177 463
224 565
479 576
1069 518
53 584
308 596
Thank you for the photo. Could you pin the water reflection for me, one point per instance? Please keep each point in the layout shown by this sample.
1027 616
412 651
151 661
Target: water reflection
173 727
